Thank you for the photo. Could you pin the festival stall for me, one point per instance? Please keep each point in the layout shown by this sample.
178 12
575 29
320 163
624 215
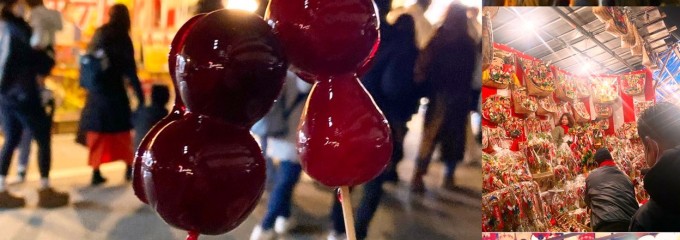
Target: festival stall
596 64
154 24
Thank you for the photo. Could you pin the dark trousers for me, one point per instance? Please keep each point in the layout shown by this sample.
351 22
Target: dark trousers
17 119
444 125
373 192
280 198
399 131
621 226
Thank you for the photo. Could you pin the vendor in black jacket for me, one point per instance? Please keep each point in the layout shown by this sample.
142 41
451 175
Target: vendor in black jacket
609 195
659 129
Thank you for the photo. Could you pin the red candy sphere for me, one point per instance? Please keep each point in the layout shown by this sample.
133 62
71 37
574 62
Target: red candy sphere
231 67
344 139
325 37
203 175
177 110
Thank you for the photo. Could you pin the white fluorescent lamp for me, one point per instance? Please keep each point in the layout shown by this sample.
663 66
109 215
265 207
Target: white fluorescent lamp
245 5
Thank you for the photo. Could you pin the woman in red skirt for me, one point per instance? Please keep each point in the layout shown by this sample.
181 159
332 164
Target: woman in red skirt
106 115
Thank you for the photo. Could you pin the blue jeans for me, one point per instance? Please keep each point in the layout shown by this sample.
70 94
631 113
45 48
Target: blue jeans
373 192
25 148
17 120
280 198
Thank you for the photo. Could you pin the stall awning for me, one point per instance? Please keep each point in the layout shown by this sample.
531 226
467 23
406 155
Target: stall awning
570 37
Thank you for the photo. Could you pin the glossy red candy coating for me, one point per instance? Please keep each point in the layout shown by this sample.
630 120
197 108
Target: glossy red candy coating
344 139
324 37
203 175
231 67
175 46
177 110
137 183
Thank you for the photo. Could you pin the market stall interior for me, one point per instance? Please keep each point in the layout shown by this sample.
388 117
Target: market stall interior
601 65
581 2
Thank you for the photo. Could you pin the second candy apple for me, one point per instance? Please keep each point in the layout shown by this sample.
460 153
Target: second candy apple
343 138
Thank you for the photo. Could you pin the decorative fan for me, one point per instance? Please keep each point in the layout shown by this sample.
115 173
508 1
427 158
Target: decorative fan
582 87
514 127
605 90
501 70
633 84
523 103
580 112
617 25
566 89
538 78
546 106
603 111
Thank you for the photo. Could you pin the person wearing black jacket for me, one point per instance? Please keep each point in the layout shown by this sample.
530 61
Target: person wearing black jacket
106 117
659 129
609 195
446 68
147 116
21 106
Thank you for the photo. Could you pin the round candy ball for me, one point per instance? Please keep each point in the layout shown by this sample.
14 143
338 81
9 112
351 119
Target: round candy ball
324 37
344 139
177 110
231 67
203 175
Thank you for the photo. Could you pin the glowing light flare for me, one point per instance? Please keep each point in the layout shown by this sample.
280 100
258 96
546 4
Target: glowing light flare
246 5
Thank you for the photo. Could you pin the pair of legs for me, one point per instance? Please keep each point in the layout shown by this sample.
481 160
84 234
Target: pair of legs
280 199
444 126
24 153
107 147
373 192
399 131
15 119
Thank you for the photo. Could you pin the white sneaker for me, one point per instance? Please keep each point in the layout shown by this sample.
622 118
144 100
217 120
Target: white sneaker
336 236
260 234
283 225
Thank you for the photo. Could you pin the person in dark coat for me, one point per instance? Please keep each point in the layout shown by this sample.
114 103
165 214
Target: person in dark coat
147 116
659 129
106 117
21 106
609 195
446 68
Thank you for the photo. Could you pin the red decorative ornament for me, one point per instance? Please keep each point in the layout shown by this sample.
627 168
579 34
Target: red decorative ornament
230 67
326 38
344 140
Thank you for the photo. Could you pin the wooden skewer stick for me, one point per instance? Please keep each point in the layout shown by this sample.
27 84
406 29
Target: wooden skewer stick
347 212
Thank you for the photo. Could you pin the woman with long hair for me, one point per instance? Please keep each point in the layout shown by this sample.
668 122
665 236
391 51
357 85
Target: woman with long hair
562 128
21 106
106 115
445 68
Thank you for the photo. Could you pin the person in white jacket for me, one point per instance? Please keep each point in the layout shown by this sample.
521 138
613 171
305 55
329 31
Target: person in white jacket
281 125
45 23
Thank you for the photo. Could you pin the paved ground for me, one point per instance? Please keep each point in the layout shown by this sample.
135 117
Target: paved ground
113 212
